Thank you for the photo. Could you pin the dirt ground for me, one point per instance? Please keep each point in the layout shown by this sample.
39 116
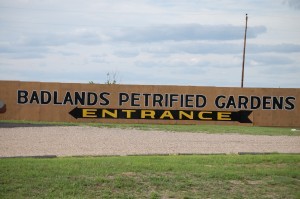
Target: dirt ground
27 140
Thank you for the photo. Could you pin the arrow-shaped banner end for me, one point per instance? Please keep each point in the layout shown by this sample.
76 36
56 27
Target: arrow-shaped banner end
76 113
244 116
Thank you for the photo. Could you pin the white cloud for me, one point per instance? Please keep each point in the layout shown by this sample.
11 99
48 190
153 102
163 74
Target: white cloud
294 3
150 41
183 32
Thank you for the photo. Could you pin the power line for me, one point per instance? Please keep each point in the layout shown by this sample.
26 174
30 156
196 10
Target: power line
244 51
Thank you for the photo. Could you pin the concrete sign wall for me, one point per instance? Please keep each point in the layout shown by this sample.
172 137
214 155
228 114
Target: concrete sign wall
66 102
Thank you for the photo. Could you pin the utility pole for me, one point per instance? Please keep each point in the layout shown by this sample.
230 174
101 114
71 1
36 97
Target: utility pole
243 66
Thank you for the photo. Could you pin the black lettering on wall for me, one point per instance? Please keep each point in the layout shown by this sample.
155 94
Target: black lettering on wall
146 97
123 97
243 101
200 98
79 98
218 103
45 97
157 99
166 100
103 97
266 102
56 101
188 100
135 98
173 99
181 101
91 98
277 103
290 103
255 102
231 102
68 98
34 97
22 96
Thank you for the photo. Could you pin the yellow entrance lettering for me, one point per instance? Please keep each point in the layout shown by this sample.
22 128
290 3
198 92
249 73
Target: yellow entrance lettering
147 113
224 116
128 113
113 114
167 114
89 113
182 113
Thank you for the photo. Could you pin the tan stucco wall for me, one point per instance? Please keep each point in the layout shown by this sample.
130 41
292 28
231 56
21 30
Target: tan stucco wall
108 97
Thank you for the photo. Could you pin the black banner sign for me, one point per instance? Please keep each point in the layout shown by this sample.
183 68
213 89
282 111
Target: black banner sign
90 113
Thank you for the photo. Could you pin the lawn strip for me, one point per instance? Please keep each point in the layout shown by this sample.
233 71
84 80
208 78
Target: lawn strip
208 176
215 129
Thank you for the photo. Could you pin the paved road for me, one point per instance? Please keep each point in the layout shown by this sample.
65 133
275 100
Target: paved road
78 141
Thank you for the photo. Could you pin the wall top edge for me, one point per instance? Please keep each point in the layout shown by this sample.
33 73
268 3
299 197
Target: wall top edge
146 85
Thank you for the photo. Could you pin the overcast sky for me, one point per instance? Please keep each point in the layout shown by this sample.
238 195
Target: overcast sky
168 42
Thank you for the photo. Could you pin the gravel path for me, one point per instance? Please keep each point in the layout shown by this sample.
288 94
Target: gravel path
81 140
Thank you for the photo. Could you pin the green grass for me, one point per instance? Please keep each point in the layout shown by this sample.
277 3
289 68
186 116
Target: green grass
214 176
180 128
219 129
40 122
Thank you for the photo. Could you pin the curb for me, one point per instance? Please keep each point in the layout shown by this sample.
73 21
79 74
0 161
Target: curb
133 155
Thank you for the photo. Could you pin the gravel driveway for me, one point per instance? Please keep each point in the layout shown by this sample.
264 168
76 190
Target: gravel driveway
94 141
